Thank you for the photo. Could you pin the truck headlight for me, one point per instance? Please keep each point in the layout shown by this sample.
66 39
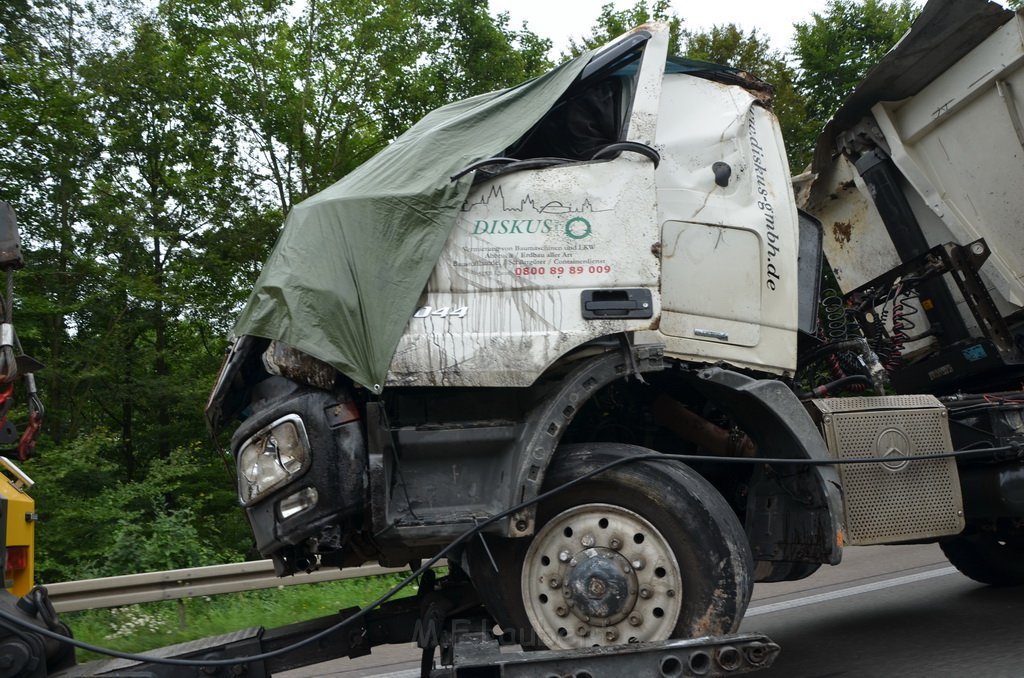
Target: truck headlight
271 458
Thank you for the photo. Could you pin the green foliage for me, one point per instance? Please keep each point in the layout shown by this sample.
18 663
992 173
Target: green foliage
136 628
168 541
462 32
95 522
71 480
837 47
49 151
151 151
612 23
316 95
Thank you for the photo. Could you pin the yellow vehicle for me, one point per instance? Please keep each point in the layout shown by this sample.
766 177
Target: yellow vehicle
17 520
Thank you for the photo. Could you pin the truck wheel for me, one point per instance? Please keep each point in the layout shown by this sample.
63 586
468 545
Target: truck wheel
987 558
645 551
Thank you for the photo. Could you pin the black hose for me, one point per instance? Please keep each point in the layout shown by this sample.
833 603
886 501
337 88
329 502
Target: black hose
831 387
828 349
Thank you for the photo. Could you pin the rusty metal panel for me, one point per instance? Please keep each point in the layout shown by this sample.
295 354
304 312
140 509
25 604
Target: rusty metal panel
855 240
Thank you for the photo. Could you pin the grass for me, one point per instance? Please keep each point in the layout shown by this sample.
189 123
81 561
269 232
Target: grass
137 628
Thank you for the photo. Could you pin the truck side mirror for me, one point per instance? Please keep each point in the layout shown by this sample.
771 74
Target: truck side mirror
809 273
10 241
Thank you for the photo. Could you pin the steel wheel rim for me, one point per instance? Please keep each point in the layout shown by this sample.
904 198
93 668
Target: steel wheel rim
599 574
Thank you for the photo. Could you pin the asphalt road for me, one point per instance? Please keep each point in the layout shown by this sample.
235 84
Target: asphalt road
921 619
885 611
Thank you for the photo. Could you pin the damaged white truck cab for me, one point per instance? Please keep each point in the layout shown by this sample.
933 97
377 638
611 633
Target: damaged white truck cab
605 263
640 230
683 228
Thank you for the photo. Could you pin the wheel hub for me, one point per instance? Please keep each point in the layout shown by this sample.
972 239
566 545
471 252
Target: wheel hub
602 586
599 574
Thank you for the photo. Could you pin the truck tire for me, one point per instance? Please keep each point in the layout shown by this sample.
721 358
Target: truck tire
986 557
645 551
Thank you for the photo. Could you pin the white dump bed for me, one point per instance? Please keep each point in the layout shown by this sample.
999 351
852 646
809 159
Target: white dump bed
947 105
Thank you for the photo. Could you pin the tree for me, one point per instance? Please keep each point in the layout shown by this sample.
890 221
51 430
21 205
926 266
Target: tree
612 23
836 48
113 164
167 175
49 154
313 97
151 152
87 507
466 52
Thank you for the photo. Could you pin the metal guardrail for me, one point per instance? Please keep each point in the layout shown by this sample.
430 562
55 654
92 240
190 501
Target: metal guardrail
149 587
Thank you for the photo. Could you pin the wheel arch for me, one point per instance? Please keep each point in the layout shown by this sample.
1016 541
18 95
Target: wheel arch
550 419
785 534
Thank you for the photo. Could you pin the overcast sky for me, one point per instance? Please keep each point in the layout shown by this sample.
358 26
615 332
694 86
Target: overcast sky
559 20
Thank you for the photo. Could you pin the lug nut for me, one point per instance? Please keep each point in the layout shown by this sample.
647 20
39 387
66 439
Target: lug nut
645 593
564 556
611 635
562 611
638 564
554 582
582 631
635 619
671 593
615 543
587 541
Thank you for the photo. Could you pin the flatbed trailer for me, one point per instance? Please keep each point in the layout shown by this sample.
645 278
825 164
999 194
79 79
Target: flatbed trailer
459 646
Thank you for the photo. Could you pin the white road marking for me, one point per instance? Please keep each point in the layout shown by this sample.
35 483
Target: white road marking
851 591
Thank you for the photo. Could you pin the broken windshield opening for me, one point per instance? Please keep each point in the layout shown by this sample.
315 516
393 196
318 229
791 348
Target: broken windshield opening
582 124
593 113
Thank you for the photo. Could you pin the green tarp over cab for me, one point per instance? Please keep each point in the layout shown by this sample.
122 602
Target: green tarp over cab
351 261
